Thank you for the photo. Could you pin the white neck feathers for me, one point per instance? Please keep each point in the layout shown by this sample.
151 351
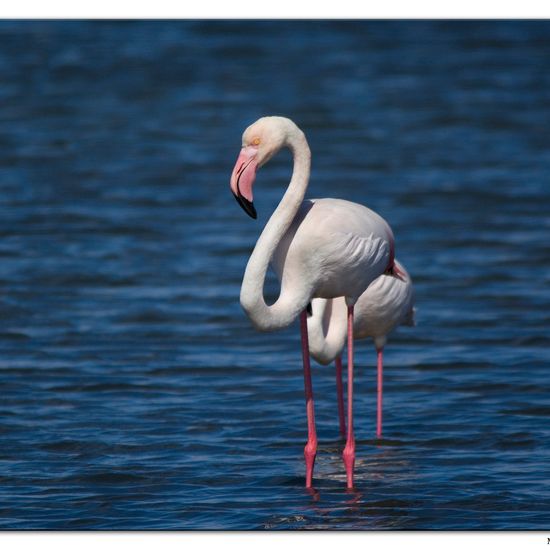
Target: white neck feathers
288 306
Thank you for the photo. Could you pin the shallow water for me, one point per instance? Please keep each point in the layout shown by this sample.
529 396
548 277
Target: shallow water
135 393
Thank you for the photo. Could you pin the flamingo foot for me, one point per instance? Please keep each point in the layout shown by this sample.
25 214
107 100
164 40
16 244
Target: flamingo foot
310 452
379 429
349 462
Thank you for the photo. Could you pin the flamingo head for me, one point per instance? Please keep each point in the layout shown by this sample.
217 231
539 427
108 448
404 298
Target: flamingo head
261 141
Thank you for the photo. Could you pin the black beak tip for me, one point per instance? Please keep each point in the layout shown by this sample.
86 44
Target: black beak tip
247 206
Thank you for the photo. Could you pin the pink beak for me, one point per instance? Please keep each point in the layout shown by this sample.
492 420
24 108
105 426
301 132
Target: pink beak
243 177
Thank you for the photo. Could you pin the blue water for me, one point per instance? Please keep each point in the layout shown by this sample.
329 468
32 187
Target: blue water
134 392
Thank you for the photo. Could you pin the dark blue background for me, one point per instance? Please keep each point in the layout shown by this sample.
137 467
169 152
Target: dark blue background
135 393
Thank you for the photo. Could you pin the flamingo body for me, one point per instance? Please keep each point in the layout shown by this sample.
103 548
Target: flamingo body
322 248
332 248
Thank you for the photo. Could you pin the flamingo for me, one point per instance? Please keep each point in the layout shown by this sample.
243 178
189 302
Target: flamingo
387 303
319 248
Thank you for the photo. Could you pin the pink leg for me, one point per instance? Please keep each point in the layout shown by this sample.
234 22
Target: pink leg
340 396
310 449
379 353
349 450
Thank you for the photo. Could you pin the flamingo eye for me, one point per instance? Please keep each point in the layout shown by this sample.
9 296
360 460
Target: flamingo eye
255 141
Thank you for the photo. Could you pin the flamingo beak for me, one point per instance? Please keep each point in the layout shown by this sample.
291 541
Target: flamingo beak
242 179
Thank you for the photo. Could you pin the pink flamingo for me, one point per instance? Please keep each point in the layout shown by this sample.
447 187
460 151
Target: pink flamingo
322 248
387 303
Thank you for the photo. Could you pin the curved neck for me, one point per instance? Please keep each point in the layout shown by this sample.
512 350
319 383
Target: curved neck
290 303
327 329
